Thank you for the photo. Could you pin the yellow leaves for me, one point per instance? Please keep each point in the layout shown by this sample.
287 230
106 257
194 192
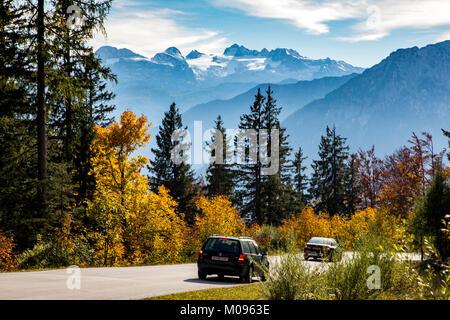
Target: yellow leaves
123 207
114 168
218 217
157 231
305 226
347 231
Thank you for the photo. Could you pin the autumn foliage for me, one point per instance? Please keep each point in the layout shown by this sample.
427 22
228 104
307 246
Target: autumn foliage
218 216
347 231
7 255
126 223
133 224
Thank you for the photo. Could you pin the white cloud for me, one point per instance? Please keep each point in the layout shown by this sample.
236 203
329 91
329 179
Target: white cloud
443 37
308 15
149 31
375 18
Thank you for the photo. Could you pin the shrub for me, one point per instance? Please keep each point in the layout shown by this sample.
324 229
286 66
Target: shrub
271 239
218 217
305 226
290 279
7 256
347 279
44 255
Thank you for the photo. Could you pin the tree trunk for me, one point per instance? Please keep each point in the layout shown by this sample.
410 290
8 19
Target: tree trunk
41 121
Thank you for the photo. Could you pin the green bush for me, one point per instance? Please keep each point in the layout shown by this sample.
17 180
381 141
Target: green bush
44 255
345 279
271 240
290 279
349 278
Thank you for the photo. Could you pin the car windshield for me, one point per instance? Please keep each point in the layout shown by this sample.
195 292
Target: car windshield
222 245
319 241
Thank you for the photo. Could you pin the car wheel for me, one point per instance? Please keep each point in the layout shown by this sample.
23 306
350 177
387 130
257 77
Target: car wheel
306 258
263 277
202 275
248 277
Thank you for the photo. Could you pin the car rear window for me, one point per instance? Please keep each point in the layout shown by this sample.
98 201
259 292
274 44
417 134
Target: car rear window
222 245
318 241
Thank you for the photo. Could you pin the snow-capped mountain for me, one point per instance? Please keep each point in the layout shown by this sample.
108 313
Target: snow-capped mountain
149 85
238 63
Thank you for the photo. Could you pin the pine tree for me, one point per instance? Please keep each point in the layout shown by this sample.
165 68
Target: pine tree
327 183
220 176
178 178
352 187
249 174
265 198
276 190
47 65
429 215
300 181
18 165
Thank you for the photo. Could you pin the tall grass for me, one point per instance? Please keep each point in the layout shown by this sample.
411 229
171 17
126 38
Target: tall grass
348 278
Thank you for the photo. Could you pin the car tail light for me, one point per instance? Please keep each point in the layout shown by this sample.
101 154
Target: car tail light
306 247
200 254
328 248
241 258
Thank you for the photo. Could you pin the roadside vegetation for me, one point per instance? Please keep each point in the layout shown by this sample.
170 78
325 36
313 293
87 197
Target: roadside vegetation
240 292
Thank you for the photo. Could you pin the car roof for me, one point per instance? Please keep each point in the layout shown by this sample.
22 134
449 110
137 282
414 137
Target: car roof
231 237
321 238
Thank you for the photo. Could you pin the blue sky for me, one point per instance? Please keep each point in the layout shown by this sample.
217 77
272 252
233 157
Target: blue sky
361 32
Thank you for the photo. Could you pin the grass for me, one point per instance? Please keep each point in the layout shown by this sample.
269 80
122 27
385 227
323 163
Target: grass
241 292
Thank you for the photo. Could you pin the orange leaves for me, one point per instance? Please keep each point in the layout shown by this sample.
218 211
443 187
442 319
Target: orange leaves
218 216
7 257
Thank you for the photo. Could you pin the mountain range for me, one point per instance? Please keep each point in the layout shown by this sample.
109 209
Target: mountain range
407 91
149 85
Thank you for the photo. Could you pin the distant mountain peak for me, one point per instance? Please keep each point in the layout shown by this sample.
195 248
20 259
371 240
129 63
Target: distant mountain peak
174 52
281 53
239 51
109 52
194 54
171 56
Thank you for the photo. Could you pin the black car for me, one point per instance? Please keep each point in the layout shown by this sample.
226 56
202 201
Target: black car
233 256
320 248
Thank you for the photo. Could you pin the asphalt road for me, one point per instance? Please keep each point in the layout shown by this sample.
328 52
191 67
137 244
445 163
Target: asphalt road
111 283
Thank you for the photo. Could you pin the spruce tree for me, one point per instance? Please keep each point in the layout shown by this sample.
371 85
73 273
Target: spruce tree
276 189
300 179
18 162
178 178
429 214
352 187
249 177
328 180
220 176
265 198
